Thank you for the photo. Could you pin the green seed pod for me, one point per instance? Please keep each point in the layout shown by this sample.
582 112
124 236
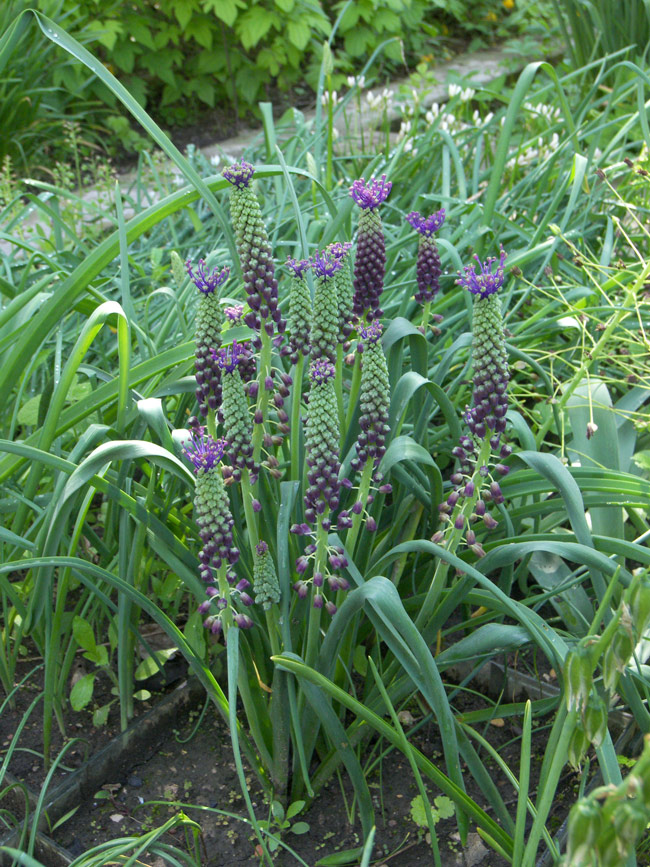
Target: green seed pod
630 821
585 824
578 746
265 579
374 398
595 720
617 656
578 676
607 848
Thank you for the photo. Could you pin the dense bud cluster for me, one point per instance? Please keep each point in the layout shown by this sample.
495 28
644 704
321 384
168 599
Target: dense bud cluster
374 398
487 416
237 423
215 522
207 328
370 258
324 333
254 252
265 580
344 289
323 582
211 506
475 481
428 268
300 312
322 442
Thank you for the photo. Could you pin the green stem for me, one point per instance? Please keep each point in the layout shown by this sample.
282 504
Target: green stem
211 424
426 312
224 589
320 564
330 137
464 508
296 401
262 395
354 390
595 353
338 388
357 520
251 518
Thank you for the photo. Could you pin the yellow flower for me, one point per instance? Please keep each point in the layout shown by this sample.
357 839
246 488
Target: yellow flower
509 4
491 16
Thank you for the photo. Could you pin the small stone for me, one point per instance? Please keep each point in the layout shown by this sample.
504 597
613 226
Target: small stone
117 818
134 781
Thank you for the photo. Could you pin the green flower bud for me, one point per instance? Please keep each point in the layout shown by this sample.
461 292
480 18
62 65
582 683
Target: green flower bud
578 677
265 579
595 720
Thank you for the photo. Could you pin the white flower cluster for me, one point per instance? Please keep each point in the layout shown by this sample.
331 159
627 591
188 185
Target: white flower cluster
465 94
359 82
548 112
383 100
325 98
533 153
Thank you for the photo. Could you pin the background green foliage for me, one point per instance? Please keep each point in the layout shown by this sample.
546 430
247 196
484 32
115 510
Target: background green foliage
181 58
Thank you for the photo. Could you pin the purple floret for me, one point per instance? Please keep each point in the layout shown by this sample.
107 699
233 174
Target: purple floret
485 283
204 452
340 250
321 370
229 357
325 264
239 174
298 267
234 314
426 225
371 194
207 283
